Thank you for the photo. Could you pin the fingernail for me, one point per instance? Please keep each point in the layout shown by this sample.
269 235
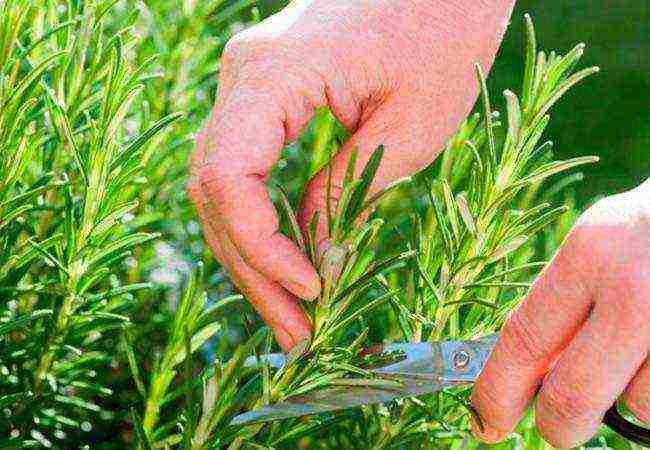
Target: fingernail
301 290
486 433
284 339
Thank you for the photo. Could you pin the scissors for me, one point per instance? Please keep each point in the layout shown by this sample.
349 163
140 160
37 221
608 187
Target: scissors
423 368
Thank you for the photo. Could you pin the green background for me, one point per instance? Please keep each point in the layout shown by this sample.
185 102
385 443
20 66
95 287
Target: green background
609 114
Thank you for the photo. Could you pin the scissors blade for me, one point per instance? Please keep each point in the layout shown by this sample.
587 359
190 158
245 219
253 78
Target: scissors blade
427 367
340 397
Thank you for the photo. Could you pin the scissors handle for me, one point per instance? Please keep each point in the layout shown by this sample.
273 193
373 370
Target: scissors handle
633 432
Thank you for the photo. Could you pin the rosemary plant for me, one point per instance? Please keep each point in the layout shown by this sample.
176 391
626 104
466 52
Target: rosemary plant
471 266
91 171
457 276
67 190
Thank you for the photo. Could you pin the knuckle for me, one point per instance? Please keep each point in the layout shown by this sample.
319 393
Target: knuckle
491 406
521 339
214 183
247 49
580 251
556 437
625 296
558 405
559 414
255 62
575 264
233 51
211 173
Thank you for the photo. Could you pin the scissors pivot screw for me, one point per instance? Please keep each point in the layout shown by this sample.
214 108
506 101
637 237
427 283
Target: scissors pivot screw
461 359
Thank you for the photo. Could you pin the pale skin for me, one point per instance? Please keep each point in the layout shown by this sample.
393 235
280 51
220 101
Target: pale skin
400 73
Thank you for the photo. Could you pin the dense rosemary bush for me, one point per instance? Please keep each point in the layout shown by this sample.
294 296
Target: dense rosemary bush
99 345
70 180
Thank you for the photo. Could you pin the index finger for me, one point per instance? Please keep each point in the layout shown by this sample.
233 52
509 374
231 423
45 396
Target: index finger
533 337
242 144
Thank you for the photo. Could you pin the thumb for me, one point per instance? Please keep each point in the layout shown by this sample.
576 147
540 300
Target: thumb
403 125
414 117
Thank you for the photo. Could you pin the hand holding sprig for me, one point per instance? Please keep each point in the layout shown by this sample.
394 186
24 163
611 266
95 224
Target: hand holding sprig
395 73
582 336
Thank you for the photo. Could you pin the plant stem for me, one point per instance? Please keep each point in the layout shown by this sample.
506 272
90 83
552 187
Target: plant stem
48 355
391 430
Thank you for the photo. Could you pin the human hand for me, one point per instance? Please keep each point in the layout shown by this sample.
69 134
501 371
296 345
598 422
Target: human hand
583 333
394 72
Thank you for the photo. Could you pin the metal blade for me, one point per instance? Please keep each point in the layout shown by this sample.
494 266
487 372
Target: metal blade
427 368
340 397
455 361
274 360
